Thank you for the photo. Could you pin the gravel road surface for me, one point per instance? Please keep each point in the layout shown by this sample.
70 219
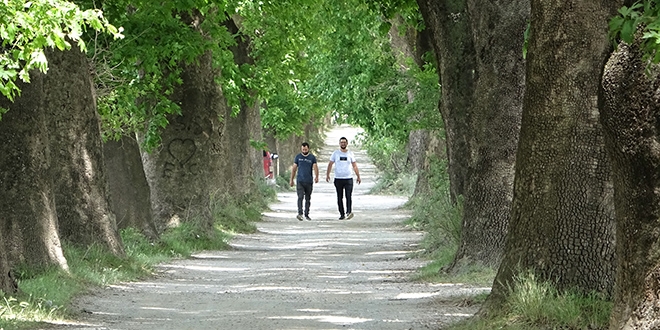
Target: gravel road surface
319 274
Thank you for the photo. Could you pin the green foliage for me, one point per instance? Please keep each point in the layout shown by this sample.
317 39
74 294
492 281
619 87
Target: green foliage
436 214
137 76
27 28
360 79
473 274
644 15
280 33
386 153
237 214
533 304
391 183
187 238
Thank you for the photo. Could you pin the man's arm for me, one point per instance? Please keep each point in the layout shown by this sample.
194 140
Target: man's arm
294 169
327 173
357 172
316 173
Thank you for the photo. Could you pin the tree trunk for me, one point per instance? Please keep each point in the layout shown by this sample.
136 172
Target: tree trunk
244 126
77 157
190 165
479 45
631 121
28 219
451 38
129 192
435 149
562 223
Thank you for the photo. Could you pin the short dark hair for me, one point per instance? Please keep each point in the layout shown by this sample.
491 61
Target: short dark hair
343 138
305 144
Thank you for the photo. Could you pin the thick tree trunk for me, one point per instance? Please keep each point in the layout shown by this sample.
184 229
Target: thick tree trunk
479 48
494 119
27 203
129 192
631 121
562 224
451 36
77 157
192 163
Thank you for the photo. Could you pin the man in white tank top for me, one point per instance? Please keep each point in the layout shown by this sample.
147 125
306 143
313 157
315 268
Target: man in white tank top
344 161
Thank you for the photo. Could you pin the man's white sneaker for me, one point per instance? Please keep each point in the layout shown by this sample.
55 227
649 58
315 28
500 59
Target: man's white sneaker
299 217
349 216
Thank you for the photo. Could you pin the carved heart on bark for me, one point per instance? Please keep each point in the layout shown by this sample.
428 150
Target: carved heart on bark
182 150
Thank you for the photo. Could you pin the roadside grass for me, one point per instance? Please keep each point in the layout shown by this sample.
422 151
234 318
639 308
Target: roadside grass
44 293
395 184
536 305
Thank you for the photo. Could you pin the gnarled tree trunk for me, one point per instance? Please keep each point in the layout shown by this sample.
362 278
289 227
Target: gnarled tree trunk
77 153
28 232
191 164
631 121
479 49
451 38
562 224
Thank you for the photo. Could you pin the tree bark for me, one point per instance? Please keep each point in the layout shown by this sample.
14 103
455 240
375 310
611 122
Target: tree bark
451 38
631 121
562 224
190 165
479 48
77 158
28 219
244 126
129 192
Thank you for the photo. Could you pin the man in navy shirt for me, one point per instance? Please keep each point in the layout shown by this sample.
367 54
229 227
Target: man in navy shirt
304 163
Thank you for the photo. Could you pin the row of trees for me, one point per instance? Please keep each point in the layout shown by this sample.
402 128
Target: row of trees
554 154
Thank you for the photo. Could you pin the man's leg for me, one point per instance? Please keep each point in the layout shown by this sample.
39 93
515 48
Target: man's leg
300 189
349 200
308 197
339 186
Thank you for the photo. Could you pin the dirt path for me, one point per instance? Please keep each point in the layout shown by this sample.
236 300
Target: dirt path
320 274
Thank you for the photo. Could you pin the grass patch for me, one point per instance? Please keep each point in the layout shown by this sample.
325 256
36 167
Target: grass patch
537 305
390 183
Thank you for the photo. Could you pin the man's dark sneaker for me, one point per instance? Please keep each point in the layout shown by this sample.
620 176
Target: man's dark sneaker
299 217
349 216
308 218
342 218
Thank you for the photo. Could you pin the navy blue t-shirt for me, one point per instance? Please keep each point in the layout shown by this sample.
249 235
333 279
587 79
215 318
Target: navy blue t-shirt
305 164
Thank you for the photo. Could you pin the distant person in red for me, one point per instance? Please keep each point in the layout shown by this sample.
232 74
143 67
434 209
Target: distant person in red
268 163
304 164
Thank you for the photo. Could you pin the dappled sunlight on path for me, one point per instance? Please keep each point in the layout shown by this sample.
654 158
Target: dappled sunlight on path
320 274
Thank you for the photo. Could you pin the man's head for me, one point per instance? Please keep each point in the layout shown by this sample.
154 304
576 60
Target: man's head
304 148
343 143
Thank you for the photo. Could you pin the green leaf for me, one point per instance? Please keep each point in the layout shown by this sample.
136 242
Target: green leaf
627 31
